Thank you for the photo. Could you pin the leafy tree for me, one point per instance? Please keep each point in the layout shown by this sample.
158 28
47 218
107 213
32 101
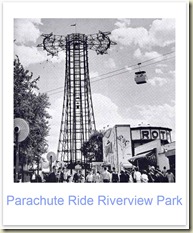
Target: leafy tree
31 107
93 148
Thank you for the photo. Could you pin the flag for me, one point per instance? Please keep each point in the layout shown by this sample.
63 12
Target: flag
73 25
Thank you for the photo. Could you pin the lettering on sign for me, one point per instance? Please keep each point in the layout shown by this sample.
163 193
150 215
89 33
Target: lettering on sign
155 134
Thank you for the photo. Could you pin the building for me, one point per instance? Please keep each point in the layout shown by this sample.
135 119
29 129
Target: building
125 146
170 153
145 134
117 147
151 153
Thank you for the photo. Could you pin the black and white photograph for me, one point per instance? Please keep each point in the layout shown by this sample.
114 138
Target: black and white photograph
94 100
95 92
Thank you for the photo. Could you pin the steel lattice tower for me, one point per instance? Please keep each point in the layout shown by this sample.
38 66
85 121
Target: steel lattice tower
78 116
77 121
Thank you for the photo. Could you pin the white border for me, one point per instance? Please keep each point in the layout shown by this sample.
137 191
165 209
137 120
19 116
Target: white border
12 217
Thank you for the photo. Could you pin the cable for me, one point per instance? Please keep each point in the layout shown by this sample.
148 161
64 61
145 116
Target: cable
131 70
128 71
121 69
134 65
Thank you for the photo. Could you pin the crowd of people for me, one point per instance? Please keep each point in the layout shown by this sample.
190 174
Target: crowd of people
135 175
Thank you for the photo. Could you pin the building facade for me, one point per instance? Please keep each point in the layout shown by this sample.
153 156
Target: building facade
145 134
151 153
125 146
117 146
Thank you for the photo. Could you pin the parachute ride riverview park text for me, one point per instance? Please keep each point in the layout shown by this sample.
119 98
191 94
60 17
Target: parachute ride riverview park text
101 200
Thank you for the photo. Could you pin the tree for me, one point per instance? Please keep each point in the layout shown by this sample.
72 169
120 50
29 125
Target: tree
31 107
93 148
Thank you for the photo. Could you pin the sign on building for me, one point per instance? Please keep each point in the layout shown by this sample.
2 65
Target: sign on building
117 146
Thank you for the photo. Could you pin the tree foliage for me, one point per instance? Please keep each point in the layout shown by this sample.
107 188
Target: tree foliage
93 148
32 107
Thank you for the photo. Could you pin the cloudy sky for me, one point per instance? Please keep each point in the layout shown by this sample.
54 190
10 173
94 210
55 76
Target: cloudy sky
117 99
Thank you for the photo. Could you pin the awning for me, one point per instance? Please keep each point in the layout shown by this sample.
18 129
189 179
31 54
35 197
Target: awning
148 155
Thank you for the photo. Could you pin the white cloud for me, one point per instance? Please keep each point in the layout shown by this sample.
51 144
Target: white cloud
151 114
29 55
153 54
157 81
147 55
172 72
110 63
129 36
122 23
56 112
93 74
128 68
161 33
106 113
25 30
138 53
57 59
161 65
158 71
32 55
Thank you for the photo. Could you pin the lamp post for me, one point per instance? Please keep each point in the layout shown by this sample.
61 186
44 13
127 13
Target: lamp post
16 132
51 157
21 131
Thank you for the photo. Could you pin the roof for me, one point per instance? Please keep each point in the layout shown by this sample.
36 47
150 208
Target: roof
150 127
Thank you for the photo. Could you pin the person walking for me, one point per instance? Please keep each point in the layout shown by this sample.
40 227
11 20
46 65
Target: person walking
96 177
76 177
164 172
33 177
137 175
106 176
126 176
82 178
115 177
89 177
60 175
52 176
122 177
144 177
65 175
170 176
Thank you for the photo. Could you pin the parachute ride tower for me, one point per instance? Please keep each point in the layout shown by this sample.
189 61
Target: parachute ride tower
77 122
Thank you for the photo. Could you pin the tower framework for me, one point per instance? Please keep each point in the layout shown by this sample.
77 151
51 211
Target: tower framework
78 121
